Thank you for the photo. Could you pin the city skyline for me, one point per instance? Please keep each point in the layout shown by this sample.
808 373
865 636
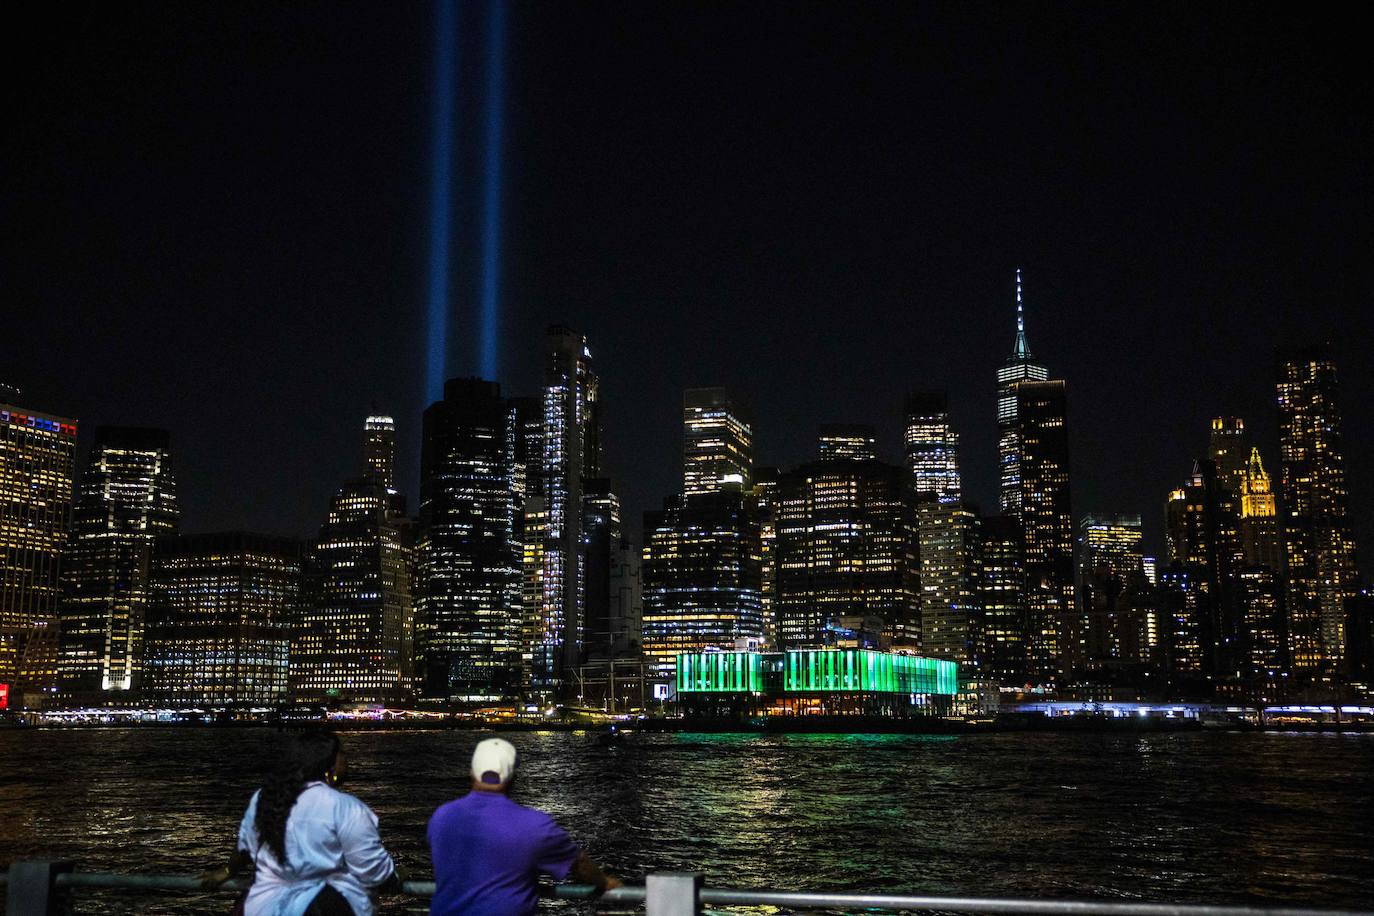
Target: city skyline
1128 263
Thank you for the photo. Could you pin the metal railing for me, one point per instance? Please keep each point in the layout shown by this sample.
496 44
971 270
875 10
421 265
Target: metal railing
34 889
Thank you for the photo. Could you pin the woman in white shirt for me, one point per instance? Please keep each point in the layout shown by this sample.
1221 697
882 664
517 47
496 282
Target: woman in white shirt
315 849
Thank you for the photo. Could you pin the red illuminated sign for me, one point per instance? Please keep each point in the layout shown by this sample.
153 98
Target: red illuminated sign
4 696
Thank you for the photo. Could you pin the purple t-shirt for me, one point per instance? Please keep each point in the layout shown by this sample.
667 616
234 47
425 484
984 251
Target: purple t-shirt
488 852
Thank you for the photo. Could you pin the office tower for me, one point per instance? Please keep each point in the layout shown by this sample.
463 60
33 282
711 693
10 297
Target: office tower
1259 594
844 557
1055 637
701 578
126 500
932 447
1109 563
37 454
538 647
353 639
718 443
849 441
1229 449
467 608
379 450
763 505
527 477
601 535
1184 608
950 580
219 623
1151 567
1001 649
1260 537
571 442
626 615
1019 367
1318 546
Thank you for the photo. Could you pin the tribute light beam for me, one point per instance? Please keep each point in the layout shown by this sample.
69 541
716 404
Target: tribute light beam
489 354
441 182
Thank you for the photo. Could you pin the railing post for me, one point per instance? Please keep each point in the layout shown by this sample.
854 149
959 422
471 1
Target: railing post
672 894
31 891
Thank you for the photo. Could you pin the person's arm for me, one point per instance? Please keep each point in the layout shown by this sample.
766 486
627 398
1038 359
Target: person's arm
243 852
367 859
585 871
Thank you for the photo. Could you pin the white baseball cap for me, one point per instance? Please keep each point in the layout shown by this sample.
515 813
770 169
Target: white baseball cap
494 755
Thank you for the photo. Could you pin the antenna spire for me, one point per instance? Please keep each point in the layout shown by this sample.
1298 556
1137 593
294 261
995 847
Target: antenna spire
1022 350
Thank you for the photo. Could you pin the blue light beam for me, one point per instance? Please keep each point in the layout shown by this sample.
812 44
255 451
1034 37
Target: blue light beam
441 185
489 353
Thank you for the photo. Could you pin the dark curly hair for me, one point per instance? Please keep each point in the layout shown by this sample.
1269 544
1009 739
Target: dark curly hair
307 757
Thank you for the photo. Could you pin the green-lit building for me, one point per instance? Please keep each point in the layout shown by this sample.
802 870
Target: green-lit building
815 682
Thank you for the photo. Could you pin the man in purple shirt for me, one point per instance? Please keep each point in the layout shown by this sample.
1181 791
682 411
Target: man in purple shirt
488 851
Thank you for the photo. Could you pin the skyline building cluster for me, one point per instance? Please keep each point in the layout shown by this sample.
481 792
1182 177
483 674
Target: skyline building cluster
518 580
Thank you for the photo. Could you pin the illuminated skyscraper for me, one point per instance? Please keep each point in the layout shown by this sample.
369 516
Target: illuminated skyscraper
126 500
701 578
718 443
601 535
571 441
950 579
1318 545
353 639
844 556
467 608
1259 594
219 624
1054 640
1203 536
379 449
763 506
1019 367
932 447
1001 651
1261 539
1184 606
1109 561
851 441
37 455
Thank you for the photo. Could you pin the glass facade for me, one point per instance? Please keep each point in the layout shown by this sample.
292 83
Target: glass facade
718 444
932 447
37 458
814 671
126 500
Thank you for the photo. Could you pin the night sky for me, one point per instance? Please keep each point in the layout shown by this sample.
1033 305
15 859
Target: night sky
217 219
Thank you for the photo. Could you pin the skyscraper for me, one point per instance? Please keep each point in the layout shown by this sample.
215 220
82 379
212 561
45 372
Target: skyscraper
852 441
1019 367
571 442
353 639
37 453
1054 641
932 447
763 506
601 535
467 608
951 580
126 500
844 556
1318 545
718 443
1260 537
1109 561
1229 449
701 578
379 449
219 620
1001 649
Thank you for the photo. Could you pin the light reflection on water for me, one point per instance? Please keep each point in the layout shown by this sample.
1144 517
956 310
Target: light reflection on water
1189 817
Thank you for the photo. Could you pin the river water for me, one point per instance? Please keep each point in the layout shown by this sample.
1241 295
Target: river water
1189 817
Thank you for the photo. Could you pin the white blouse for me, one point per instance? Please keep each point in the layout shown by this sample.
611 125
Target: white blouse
331 838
